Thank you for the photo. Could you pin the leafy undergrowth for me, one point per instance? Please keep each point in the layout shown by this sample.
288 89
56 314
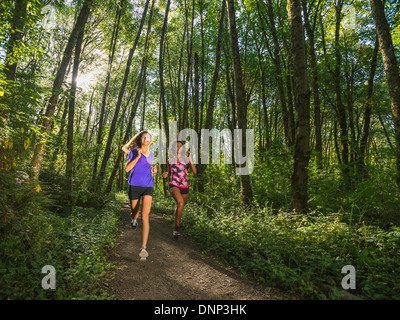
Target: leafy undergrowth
75 245
298 253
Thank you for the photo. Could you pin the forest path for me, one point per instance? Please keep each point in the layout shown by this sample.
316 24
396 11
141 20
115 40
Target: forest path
174 269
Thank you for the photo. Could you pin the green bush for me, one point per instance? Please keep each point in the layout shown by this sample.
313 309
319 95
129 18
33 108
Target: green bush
300 253
32 237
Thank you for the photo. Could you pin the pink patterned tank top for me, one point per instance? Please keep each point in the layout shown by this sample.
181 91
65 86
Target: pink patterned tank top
179 176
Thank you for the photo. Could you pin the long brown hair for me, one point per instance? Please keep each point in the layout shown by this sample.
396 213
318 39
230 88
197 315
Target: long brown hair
135 142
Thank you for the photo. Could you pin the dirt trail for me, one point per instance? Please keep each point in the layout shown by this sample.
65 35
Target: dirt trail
174 270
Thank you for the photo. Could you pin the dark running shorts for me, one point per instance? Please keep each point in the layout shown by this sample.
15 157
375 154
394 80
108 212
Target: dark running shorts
182 190
137 192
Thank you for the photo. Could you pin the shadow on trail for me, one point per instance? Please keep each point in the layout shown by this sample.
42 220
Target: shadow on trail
174 270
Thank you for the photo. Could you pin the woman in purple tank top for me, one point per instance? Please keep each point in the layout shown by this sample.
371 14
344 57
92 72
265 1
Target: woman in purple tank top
178 165
140 182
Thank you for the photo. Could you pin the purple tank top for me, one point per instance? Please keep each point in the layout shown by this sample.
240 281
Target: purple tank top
140 175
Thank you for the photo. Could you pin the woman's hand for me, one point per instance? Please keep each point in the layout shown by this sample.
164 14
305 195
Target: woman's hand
188 155
139 150
165 175
154 169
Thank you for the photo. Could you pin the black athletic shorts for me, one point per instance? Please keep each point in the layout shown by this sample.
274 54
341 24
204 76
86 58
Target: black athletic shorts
182 190
137 192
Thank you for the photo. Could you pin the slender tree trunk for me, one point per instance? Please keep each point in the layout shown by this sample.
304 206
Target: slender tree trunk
70 127
368 107
276 59
240 97
210 109
113 43
340 108
314 80
199 182
196 98
140 87
59 138
107 150
185 117
203 86
58 81
302 101
266 134
86 132
391 66
161 73
128 131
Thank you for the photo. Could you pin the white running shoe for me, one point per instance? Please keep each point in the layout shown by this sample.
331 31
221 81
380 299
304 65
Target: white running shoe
134 224
143 254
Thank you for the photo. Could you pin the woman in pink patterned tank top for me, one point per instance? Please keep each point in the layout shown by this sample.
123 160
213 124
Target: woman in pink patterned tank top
178 165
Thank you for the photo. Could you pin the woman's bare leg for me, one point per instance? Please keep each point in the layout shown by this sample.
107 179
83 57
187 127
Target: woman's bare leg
135 209
180 203
146 206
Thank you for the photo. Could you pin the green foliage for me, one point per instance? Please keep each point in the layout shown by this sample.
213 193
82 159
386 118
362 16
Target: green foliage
32 237
299 253
303 254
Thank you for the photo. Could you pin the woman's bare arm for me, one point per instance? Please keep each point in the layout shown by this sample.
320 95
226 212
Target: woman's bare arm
131 163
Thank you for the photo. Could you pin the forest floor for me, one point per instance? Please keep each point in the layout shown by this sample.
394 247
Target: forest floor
174 269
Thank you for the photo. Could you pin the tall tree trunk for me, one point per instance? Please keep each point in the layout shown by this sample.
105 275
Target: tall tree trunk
199 182
266 134
58 81
391 70
340 108
107 150
86 132
185 117
240 97
140 87
314 79
70 127
60 135
128 131
210 109
302 102
113 43
161 73
196 98
276 59
368 107
163 103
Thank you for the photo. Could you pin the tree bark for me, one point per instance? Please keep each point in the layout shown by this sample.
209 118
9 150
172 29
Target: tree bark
161 73
210 109
107 150
113 43
185 117
390 64
70 127
58 81
314 80
368 108
340 108
163 103
240 97
302 102
276 59
141 86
